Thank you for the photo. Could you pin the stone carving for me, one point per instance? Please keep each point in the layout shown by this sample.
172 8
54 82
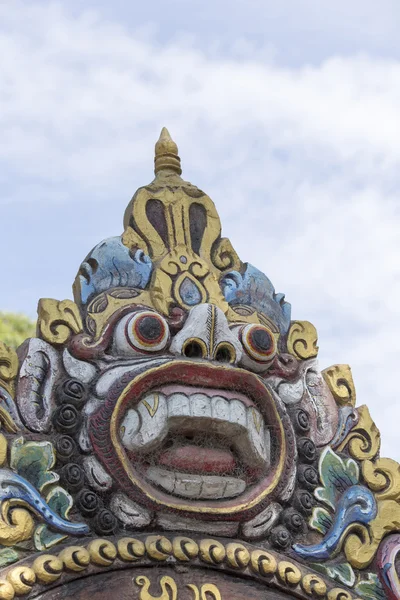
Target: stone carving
174 413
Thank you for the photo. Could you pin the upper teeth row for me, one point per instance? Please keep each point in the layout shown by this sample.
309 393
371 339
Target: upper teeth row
156 414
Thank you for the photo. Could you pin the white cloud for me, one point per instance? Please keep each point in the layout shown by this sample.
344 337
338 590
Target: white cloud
302 162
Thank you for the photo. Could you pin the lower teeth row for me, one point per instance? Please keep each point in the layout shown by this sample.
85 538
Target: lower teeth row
211 487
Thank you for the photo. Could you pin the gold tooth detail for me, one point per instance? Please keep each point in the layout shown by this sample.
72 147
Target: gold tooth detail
257 420
152 409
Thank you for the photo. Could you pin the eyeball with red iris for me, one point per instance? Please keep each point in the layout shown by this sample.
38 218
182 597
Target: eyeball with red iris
259 344
142 332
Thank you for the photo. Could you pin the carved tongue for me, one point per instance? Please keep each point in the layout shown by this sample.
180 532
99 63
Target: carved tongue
195 459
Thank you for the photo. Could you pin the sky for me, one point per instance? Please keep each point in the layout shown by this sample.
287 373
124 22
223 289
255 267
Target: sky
285 113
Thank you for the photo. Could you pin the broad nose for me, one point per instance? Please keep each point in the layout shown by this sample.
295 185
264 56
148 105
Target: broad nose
206 335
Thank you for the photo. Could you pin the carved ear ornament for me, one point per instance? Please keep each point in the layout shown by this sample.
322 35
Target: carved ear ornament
58 320
302 340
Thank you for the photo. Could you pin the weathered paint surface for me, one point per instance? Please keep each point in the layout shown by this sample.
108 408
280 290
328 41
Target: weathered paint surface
169 434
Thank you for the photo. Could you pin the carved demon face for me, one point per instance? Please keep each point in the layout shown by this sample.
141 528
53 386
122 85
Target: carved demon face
174 404
175 395
184 421
198 414
185 392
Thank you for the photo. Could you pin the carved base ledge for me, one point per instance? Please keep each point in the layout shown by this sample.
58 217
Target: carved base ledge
187 568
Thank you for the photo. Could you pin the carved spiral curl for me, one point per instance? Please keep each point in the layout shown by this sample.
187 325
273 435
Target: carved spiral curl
104 522
359 548
158 547
75 558
288 573
102 552
383 477
131 549
212 551
6 590
307 449
71 391
72 476
22 579
304 501
308 477
293 520
88 502
263 563
57 321
339 594
16 525
224 256
66 418
65 448
361 446
302 340
48 568
340 382
301 421
364 439
280 537
313 585
237 555
184 548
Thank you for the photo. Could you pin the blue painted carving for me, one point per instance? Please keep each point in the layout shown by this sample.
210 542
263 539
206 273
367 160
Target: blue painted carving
14 487
348 418
357 505
253 288
110 264
189 292
8 405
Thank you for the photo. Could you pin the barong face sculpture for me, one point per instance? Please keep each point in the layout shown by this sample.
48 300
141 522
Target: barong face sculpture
174 413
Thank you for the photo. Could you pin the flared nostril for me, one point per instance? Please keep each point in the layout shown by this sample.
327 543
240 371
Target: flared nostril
194 349
225 354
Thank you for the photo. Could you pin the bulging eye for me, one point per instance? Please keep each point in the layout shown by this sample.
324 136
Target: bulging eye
143 331
259 342
147 331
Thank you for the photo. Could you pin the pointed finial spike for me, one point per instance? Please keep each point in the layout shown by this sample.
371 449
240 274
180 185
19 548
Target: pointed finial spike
166 154
165 134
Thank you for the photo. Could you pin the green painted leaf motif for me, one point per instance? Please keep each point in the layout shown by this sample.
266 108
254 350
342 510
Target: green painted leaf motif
320 520
44 538
341 572
370 588
8 556
61 502
33 461
336 474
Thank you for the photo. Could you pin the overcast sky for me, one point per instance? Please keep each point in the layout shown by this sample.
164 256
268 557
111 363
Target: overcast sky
285 113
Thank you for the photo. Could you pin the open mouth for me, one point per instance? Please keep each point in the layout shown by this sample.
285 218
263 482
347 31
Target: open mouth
199 443
193 431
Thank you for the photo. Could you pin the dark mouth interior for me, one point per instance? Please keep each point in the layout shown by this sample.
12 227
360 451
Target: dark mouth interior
199 454
206 449
215 456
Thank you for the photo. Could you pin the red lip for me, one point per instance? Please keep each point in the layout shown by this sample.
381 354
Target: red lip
104 427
